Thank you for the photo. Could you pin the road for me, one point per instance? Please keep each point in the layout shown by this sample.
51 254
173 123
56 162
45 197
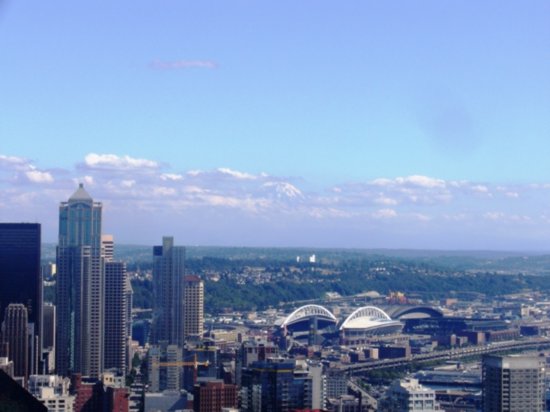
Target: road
455 353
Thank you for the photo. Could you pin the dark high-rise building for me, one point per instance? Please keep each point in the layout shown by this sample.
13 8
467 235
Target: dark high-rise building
271 386
207 356
20 275
116 327
213 395
253 351
48 338
79 287
168 276
15 335
513 383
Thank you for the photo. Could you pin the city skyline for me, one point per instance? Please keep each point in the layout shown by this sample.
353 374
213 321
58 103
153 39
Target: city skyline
364 125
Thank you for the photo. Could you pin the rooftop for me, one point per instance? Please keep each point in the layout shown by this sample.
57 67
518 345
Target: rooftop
80 194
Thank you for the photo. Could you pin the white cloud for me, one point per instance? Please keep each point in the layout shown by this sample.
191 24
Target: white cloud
494 215
480 188
420 216
89 180
36 176
457 217
236 174
164 191
384 214
13 161
171 176
422 181
247 203
382 182
127 183
194 190
25 170
236 194
111 161
383 200
414 180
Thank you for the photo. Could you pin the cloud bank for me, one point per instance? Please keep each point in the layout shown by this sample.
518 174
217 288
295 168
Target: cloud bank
145 199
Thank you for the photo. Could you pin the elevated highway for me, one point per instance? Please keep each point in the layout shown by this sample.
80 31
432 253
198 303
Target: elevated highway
457 353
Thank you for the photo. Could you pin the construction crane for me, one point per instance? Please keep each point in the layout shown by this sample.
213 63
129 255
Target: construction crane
194 363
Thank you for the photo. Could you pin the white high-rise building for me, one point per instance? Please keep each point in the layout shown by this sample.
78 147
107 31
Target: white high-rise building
108 245
193 307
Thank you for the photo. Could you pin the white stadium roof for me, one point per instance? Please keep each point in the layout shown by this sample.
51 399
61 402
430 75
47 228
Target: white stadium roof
368 317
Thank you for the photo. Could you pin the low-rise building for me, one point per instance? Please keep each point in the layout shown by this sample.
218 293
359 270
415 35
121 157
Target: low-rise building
53 392
408 395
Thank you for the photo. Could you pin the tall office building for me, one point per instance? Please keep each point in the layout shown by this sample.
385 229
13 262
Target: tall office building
513 383
272 386
108 245
48 339
193 307
164 367
116 326
168 274
80 287
129 292
252 351
15 335
20 274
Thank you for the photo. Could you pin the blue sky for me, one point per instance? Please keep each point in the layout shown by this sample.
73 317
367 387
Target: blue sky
364 124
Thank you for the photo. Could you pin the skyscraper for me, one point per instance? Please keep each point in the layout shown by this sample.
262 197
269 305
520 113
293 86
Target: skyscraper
513 383
108 245
129 292
48 339
115 316
193 307
168 273
15 334
80 287
20 278
271 386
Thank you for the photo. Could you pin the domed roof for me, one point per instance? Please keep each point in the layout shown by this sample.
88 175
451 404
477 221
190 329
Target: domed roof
80 194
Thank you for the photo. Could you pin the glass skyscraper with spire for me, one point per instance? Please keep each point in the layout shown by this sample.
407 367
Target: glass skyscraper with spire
80 287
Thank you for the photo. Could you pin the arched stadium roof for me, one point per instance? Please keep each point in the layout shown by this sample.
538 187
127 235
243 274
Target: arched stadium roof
306 312
399 311
367 317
